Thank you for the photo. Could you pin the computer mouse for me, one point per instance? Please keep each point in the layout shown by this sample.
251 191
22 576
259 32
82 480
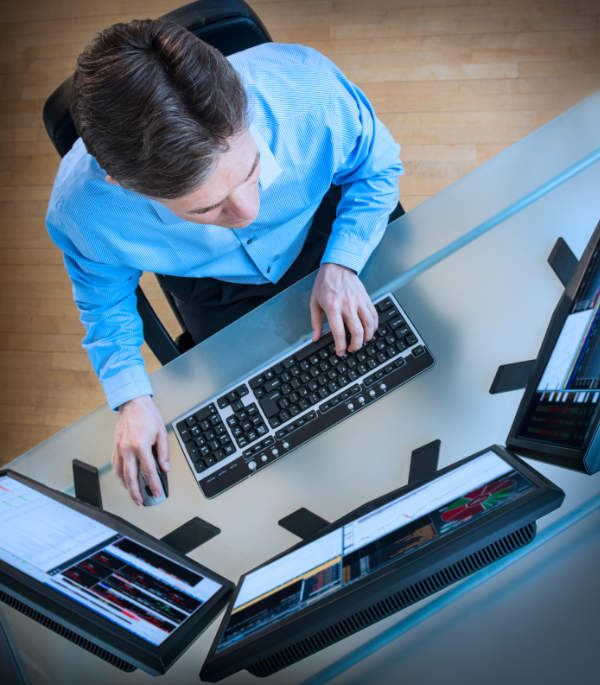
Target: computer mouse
148 499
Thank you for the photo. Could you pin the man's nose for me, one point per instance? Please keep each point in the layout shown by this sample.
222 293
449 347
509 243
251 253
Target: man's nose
244 202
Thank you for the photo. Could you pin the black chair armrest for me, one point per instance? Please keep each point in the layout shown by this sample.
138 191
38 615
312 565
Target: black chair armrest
156 335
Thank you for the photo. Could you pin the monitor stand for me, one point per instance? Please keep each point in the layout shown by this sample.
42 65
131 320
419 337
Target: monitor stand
516 376
423 467
183 539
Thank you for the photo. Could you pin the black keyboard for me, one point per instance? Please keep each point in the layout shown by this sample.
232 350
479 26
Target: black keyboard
256 422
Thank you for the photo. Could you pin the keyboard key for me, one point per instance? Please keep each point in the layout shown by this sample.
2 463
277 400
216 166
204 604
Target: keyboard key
222 402
271 384
255 382
242 391
383 305
418 351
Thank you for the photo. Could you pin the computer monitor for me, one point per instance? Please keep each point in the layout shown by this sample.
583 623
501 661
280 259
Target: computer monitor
378 559
558 420
100 581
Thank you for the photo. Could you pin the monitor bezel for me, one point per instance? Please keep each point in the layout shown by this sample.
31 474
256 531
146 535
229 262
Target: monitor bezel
153 659
258 646
560 455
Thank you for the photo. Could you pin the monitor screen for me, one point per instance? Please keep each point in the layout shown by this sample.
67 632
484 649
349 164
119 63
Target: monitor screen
350 554
561 406
121 579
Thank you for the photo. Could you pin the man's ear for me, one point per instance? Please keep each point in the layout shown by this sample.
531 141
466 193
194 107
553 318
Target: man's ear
110 179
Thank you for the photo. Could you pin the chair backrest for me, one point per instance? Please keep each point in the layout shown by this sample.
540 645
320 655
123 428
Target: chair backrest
228 25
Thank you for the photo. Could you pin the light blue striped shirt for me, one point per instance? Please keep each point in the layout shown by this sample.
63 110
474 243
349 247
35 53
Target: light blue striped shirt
312 128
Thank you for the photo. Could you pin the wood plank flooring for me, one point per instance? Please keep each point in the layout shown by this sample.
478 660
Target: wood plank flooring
456 81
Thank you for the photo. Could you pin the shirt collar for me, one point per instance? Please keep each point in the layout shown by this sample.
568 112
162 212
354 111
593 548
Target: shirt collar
269 171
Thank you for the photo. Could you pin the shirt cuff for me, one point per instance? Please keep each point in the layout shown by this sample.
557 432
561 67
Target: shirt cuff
351 260
125 385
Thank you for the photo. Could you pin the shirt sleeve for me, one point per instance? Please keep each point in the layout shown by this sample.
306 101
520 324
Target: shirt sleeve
107 303
367 167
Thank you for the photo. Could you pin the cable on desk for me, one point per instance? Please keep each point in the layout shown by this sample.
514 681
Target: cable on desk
488 224
452 595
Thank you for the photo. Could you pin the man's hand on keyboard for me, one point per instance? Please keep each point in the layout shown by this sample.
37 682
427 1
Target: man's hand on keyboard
139 427
339 293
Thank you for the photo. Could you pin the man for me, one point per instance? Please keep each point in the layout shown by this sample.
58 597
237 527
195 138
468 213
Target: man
212 172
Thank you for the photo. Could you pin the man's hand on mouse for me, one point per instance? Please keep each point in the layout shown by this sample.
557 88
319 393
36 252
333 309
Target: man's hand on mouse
139 427
339 293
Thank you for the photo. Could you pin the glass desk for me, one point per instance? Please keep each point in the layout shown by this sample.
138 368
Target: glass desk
485 305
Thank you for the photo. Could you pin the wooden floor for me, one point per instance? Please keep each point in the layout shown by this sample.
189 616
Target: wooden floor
456 81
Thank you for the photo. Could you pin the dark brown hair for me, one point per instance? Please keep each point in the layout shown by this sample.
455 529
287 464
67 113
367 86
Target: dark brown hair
154 105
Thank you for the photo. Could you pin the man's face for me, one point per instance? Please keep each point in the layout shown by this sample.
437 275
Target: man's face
229 196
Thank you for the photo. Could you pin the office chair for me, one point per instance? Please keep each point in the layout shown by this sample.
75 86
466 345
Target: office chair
228 25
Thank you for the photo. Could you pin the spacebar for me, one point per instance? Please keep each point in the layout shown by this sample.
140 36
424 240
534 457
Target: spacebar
321 423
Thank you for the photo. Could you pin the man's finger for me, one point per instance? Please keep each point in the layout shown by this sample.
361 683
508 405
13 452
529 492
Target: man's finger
336 324
369 322
162 450
374 314
116 464
355 328
130 471
316 318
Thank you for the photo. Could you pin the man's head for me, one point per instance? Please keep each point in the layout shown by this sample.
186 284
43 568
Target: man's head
163 113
